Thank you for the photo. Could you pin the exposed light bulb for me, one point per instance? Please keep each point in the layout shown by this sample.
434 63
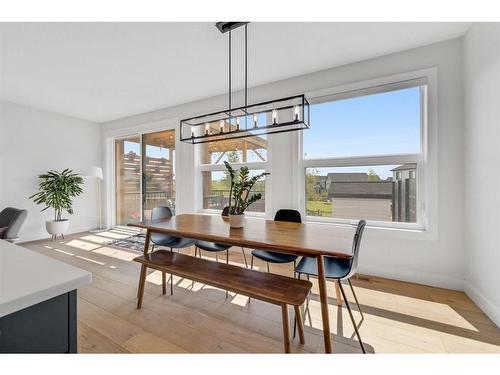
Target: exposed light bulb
296 113
192 131
255 120
221 124
275 117
207 128
237 123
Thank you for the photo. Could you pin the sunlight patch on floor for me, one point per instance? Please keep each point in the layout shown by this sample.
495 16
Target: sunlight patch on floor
113 235
94 238
64 252
82 245
90 260
116 253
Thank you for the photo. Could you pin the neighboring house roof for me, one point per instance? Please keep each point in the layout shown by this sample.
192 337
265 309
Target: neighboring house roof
405 167
347 177
361 189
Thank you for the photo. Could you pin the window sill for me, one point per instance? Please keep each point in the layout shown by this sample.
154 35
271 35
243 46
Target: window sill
383 229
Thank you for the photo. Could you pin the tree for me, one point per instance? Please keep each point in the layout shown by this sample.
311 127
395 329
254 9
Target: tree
373 176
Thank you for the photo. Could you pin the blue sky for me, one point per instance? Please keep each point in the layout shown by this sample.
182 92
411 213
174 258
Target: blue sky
386 123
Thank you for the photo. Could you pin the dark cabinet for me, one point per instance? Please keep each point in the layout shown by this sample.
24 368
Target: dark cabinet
47 327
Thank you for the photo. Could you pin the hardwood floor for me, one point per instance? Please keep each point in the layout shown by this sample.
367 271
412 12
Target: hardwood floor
399 317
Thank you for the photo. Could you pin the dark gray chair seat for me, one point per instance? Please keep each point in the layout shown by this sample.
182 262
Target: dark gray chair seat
273 257
288 215
335 268
211 246
171 241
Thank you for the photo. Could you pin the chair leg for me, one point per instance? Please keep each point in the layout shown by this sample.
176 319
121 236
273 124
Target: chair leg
286 328
195 251
244 257
356 299
337 292
153 248
142 282
295 321
251 263
300 324
352 318
294 266
171 279
164 283
268 267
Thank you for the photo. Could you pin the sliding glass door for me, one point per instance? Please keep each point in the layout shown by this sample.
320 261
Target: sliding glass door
128 180
158 171
144 175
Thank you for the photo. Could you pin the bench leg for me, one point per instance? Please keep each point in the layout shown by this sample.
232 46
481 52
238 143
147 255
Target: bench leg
300 324
142 282
286 328
164 283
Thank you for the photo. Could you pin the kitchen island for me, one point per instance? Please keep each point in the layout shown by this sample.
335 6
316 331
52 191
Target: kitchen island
37 302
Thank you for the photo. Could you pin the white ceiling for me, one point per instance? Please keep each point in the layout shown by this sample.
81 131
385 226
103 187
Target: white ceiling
105 71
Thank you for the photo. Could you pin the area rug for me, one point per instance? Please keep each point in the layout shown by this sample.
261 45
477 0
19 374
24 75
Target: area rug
135 242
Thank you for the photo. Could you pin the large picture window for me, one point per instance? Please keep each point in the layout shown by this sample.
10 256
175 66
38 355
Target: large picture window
361 156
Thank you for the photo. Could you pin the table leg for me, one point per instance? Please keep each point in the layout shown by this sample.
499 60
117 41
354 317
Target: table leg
324 303
146 242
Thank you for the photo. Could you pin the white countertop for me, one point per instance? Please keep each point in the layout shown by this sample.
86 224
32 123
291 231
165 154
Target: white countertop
28 278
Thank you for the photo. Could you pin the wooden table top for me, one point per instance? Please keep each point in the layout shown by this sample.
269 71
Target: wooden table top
292 238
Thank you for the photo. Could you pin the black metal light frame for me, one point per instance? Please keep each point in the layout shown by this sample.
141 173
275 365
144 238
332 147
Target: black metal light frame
293 111
197 125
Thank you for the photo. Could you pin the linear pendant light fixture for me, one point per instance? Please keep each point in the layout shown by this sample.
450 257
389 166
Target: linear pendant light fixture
274 116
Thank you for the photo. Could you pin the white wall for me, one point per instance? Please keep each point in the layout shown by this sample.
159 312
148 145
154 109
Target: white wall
34 141
482 166
434 260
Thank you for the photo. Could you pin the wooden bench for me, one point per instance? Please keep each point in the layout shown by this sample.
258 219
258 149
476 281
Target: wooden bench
275 289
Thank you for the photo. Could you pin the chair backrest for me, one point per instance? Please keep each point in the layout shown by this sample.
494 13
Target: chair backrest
161 212
13 219
225 211
288 215
356 242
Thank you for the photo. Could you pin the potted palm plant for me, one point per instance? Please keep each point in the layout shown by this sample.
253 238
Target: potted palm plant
57 190
240 197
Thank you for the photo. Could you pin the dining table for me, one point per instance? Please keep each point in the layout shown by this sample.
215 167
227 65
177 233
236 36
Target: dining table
302 239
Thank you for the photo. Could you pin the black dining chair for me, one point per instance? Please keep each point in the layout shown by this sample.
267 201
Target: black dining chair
173 242
271 256
217 247
338 269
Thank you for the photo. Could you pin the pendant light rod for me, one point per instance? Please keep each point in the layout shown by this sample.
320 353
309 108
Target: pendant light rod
246 64
230 72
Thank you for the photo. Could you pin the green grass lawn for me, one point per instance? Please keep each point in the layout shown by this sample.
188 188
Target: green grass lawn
324 207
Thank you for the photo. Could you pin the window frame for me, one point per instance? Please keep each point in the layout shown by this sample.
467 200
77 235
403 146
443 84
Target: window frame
423 79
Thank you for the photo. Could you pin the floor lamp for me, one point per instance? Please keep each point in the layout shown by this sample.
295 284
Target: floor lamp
96 172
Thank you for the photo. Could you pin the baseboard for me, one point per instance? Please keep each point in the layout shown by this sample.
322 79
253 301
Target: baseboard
439 281
488 307
46 236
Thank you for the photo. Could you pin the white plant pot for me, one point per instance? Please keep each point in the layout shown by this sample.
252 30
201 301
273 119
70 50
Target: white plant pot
236 221
57 227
